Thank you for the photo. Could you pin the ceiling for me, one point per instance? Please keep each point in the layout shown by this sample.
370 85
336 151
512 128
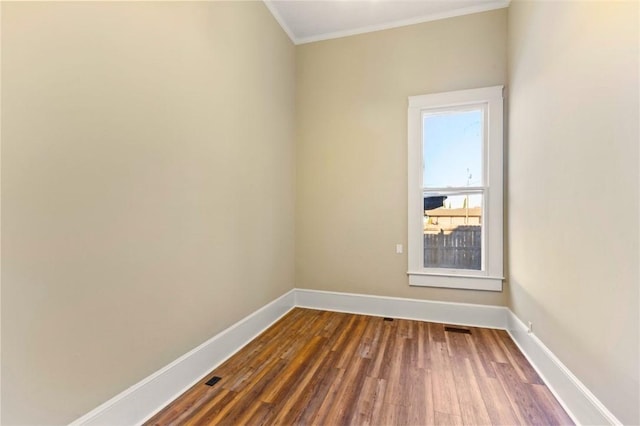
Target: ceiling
313 20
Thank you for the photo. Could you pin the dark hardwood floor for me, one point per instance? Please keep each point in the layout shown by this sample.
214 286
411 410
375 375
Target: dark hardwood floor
328 368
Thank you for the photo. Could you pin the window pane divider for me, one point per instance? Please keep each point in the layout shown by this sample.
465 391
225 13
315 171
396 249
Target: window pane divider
460 190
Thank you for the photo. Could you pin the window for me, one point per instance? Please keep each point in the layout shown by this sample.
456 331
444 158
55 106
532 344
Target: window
455 189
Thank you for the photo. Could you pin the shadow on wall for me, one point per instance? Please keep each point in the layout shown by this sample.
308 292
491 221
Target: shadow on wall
612 381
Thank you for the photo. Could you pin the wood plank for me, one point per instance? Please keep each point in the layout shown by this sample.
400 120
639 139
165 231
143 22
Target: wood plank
495 400
436 332
493 396
313 394
378 365
302 390
516 359
353 380
486 341
420 390
329 400
351 342
369 403
519 395
445 397
247 397
211 410
550 406
446 419
457 344
405 328
525 366
396 386
315 367
424 358
472 408
392 414
248 411
191 401
371 338
291 373
481 354
333 323
259 416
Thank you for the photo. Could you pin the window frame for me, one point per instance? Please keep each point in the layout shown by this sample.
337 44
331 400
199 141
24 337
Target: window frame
491 276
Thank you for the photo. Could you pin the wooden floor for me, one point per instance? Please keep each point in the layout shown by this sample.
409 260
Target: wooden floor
327 368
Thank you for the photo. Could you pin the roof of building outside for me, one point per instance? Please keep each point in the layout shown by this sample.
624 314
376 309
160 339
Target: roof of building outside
461 212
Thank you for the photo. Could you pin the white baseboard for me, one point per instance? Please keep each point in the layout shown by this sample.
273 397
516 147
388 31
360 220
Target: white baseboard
141 401
583 407
396 307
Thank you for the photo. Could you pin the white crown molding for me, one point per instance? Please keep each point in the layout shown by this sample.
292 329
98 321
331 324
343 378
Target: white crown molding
485 7
280 20
144 399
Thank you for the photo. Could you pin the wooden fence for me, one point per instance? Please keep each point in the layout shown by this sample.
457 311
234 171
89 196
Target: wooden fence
460 249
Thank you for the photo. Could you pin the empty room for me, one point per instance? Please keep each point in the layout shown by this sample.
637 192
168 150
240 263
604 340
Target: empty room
372 212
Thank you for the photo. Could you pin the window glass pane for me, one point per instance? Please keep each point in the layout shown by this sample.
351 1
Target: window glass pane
453 231
452 148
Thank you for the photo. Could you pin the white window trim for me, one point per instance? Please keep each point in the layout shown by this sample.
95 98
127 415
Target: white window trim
491 277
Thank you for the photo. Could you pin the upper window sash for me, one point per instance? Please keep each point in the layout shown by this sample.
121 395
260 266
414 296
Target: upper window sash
481 107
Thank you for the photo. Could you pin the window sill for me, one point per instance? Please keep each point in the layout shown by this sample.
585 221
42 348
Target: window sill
465 282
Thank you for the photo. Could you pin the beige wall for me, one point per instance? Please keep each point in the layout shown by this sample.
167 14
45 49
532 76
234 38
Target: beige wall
351 198
147 190
573 147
